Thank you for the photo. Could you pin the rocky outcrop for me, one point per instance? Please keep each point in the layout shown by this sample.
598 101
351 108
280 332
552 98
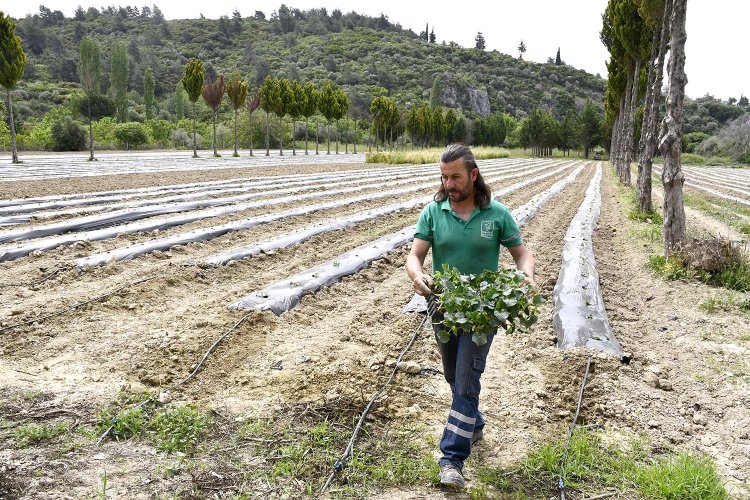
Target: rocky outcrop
459 93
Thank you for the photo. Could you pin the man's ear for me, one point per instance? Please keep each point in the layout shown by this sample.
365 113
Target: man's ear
474 174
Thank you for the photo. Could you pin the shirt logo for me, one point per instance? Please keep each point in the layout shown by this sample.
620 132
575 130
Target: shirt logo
488 227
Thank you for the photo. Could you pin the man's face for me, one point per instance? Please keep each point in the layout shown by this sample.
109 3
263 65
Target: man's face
457 181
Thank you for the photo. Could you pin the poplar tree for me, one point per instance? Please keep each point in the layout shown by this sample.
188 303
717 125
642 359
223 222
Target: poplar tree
90 73
179 101
237 92
12 62
309 108
270 95
192 81
148 92
119 80
281 109
339 111
327 107
213 93
252 104
295 107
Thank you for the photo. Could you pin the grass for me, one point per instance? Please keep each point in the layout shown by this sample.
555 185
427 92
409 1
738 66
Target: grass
592 467
179 429
732 214
424 156
29 434
734 276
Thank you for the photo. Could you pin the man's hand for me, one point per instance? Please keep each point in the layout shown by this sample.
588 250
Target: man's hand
423 284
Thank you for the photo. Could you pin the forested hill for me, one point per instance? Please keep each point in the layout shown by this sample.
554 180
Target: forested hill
362 54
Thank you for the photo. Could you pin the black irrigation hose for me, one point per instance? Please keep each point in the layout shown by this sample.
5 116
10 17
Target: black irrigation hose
338 466
178 384
39 281
80 304
572 427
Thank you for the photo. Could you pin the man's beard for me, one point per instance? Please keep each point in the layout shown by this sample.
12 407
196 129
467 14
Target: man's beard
459 196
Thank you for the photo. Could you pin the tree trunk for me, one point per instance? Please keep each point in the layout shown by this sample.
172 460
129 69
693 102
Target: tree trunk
670 141
235 134
338 137
195 144
377 135
307 129
651 112
629 125
281 136
91 132
328 137
250 131
13 148
355 137
317 139
268 135
216 153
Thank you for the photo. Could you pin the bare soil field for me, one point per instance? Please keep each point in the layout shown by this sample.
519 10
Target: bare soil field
141 326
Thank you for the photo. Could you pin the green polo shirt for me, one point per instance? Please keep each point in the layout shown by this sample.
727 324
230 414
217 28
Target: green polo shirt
472 246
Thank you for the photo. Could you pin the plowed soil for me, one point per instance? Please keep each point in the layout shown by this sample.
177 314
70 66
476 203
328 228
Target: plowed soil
151 335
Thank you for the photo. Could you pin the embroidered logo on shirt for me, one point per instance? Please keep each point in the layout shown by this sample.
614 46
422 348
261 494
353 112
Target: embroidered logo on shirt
488 227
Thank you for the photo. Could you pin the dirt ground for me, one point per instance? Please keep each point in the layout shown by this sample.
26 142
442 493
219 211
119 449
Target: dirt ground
687 386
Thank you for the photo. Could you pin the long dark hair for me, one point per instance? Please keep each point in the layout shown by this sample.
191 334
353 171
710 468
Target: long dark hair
482 192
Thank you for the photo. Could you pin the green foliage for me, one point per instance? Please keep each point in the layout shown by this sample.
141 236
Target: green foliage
126 423
692 159
29 434
12 56
96 106
68 135
426 156
131 135
592 465
119 80
237 91
671 268
159 131
148 93
179 428
481 304
178 99
683 477
192 81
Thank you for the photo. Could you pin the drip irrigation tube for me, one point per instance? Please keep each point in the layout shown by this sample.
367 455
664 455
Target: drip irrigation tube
571 428
338 466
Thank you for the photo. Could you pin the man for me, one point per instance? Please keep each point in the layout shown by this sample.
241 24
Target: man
465 227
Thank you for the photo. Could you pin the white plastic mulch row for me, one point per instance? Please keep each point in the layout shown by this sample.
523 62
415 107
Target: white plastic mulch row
719 181
132 214
715 192
580 318
287 293
8 253
132 251
35 167
163 194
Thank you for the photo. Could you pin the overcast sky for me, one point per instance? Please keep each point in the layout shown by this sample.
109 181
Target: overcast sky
716 29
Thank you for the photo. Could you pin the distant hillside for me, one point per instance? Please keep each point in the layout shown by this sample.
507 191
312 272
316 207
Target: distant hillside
358 52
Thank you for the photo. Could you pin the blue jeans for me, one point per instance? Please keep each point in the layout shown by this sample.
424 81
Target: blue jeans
463 365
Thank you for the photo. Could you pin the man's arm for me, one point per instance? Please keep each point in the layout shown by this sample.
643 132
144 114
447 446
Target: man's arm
414 267
524 260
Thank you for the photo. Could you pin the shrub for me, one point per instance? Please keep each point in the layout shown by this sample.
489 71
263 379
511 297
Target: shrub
68 135
131 135
692 159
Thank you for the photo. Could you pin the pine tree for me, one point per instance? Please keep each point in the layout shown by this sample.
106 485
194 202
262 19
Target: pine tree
12 62
432 35
479 41
558 61
521 50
